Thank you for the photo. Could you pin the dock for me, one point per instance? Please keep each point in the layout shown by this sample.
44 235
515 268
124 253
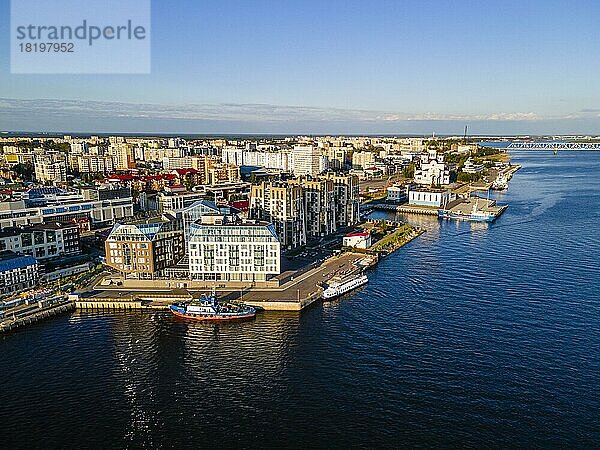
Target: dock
290 292
35 313
407 209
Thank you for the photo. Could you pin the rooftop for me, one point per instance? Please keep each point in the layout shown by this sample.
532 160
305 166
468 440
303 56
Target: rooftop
10 260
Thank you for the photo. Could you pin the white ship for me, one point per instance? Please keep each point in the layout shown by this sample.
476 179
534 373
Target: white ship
337 289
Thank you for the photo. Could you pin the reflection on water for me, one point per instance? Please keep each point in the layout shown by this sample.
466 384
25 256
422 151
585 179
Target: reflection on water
472 333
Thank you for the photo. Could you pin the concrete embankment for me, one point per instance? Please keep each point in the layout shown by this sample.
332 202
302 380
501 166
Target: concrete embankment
20 319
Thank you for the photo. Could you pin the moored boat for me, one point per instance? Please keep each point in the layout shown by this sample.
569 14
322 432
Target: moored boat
209 308
339 288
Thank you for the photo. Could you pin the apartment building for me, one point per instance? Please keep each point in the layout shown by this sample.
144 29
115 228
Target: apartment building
17 272
307 160
281 204
50 167
42 241
222 250
363 160
124 154
319 206
95 164
347 198
144 250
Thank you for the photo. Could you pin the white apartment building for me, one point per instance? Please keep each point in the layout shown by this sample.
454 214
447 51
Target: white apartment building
177 162
95 164
268 158
363 160
233 251
307 160
50 167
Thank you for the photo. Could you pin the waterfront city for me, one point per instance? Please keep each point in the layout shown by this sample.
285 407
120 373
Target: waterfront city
300 224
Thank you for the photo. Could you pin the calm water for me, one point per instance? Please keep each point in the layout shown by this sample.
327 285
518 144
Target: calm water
471 335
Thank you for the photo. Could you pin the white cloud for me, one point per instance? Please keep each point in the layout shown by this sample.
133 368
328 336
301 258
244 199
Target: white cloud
244 112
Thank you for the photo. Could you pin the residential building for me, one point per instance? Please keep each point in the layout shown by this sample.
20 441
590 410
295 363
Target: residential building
307 160
42 241
319 206
50 167
220 250
363 160
281 204
144 250
222 173
17 272
124 155
95 164
346 199
199 209
337 157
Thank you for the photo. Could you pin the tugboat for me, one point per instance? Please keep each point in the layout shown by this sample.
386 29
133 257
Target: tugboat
337 289
208 308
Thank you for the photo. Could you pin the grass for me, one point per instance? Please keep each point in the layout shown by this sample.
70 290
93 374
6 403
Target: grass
394 240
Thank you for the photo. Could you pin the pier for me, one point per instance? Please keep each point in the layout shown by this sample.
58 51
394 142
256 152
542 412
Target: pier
407 209
35 313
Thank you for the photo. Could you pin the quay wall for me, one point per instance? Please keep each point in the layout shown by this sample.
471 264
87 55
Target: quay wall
9 324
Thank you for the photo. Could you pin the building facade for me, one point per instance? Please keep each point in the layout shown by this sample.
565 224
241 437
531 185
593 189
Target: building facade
42 241
429 197
432 170
144 250
234 251
17 273
50 168
281 204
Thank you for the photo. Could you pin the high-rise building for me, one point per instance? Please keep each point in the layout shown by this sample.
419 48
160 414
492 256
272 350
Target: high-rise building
124 155
307 160
50 167
347 199
319 206
281 204
363 160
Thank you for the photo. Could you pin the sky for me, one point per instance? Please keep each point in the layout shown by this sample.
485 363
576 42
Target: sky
320 67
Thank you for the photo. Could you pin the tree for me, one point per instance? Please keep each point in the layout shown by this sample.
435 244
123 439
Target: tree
24 171
409 171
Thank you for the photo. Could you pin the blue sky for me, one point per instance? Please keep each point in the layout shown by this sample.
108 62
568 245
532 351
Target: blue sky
335 66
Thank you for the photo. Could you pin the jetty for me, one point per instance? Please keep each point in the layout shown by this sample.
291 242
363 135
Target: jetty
34 313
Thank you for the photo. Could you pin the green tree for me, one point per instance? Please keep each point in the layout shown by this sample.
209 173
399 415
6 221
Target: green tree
409 171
